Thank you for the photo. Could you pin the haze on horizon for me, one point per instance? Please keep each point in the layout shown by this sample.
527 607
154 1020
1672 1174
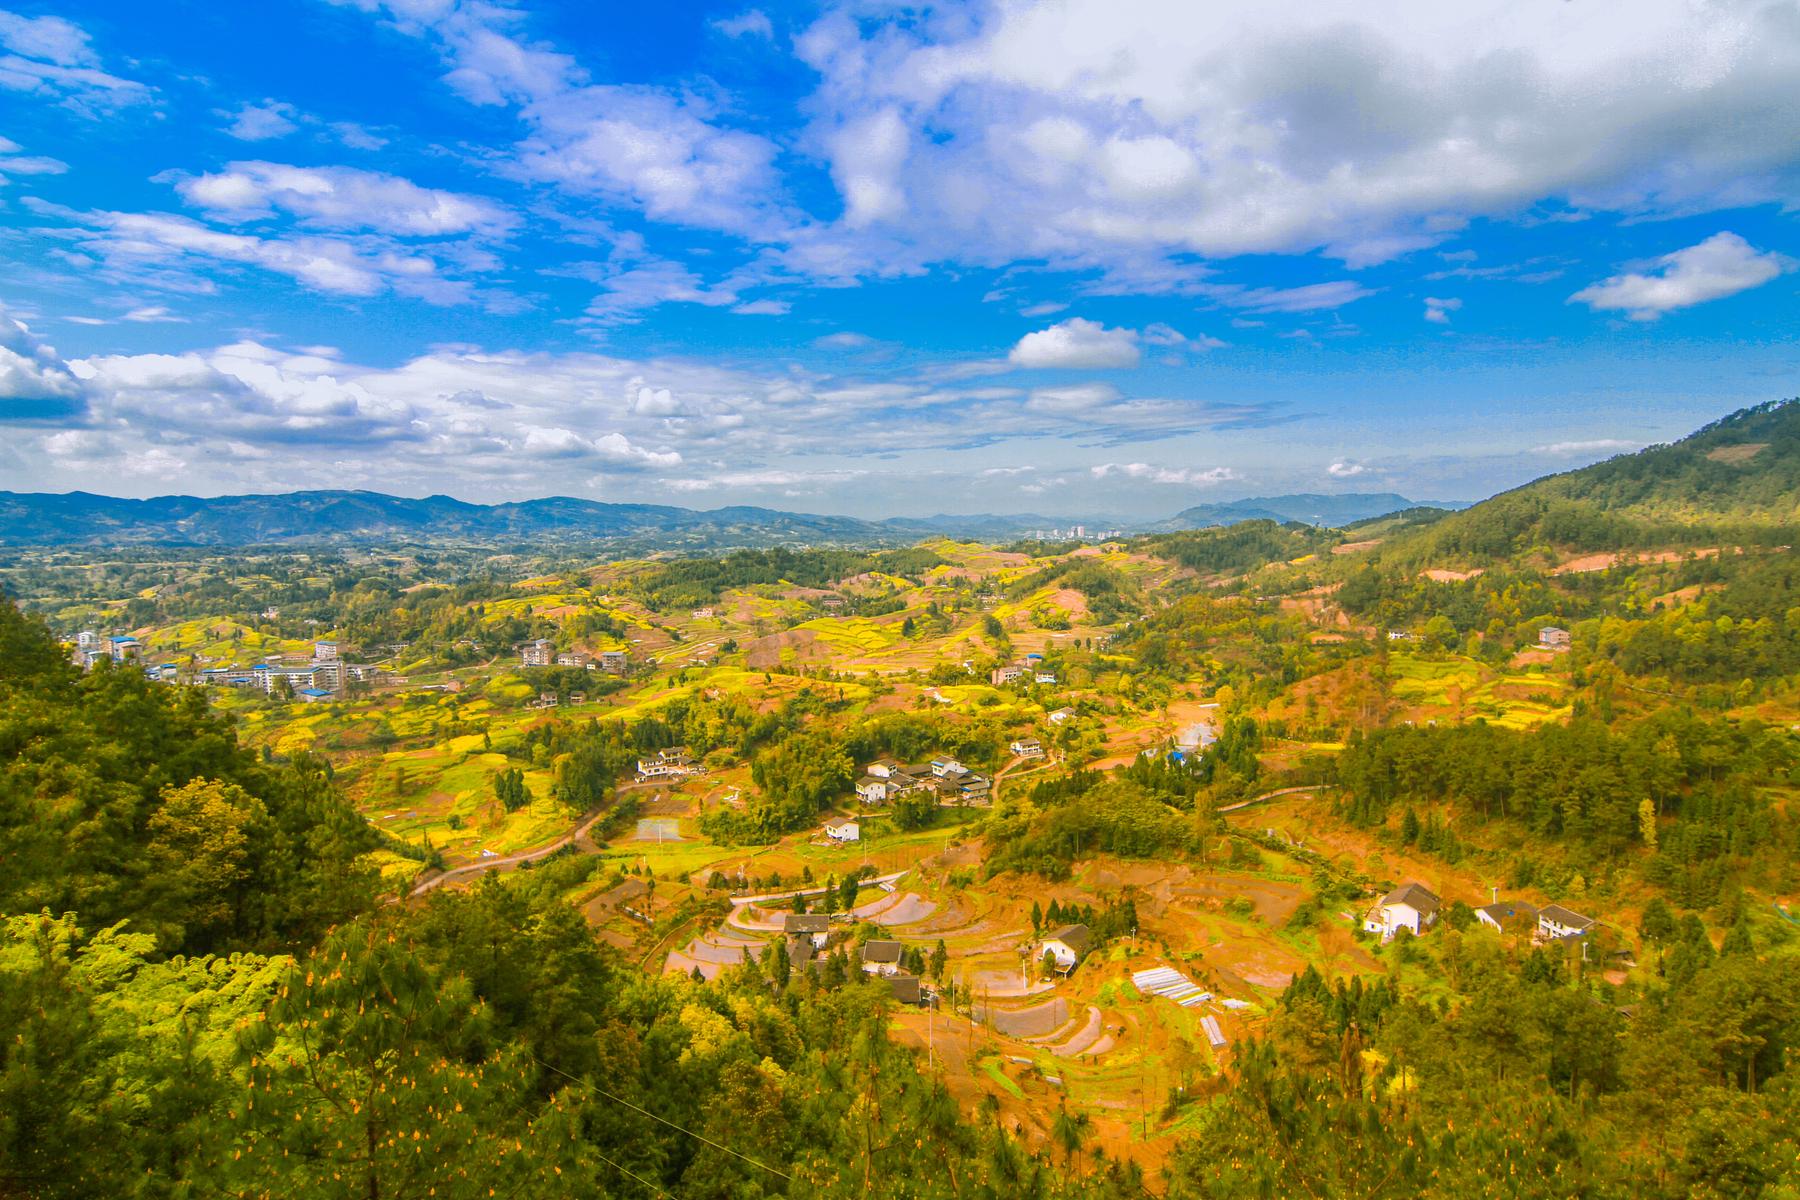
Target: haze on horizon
1101 256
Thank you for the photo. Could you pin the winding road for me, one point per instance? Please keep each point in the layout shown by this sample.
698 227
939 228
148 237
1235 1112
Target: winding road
1290 791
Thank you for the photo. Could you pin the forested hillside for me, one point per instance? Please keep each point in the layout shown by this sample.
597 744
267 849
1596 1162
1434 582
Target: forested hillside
1736 479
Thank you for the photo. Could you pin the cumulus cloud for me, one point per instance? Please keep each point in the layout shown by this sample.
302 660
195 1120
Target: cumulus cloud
752 22
262 122
1438 309
35 385
1066 134
1182 476
1723 265
52 57
1344 469
658 150
342 198
1077 343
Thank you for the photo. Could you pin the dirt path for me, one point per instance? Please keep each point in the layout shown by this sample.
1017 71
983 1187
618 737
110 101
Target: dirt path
578 836
1292 791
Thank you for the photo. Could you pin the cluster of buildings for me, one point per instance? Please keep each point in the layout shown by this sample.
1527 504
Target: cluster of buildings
809 933
542 652
1416 909
943 778
673 762
1031 670
321 677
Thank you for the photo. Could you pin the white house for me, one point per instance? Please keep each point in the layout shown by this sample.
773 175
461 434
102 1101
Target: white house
1045 676
881 957
871 790
325 651
614 662
946 766
1556 921
1411 907
1552 638
1066 945
815 927
885 768
1506 915
666 763
1028 748
843 829
540 653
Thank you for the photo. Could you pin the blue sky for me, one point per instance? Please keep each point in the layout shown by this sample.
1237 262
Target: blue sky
1087 258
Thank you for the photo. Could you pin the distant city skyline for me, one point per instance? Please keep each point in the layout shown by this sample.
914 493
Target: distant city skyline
1099 258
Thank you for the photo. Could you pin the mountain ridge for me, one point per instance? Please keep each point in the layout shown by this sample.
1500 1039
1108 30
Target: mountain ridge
354 516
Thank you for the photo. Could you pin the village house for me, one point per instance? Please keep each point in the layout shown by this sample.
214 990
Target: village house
1508 916
1555 921
832 604
540 653
1412 907
703 614
312 695
1010 673
1045 676
945 765
884 768
813 927
881 957
1552 638
1028 748
325 651
672 762
1066 946
125 648
906 989
843 829
872 790
572 659
614 662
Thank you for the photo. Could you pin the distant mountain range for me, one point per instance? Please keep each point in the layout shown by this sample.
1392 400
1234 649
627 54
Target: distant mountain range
84 519
1308 508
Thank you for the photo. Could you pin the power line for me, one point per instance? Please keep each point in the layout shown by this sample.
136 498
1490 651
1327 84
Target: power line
701 1137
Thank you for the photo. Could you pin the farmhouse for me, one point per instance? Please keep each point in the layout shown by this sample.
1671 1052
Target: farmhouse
1028 748
674 761
814 927
881 957
1010 673
843 829
1066 946
540 653
124 648
945 765
885 768
614 662
873 790
1508 915
906 989
1555 921
1412 907
572 659
1552 638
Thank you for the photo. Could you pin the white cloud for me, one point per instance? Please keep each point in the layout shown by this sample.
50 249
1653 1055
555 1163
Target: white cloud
652 148
51 57
152 314
1181 476
764 308
170 251
262 122
1077 343
752 22
14 163
1723 265
1095 132
1342 469
1438 309
1592 446
35 385
342 198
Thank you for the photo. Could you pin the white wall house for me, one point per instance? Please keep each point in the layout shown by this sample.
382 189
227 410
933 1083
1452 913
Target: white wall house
843 829
1412 907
